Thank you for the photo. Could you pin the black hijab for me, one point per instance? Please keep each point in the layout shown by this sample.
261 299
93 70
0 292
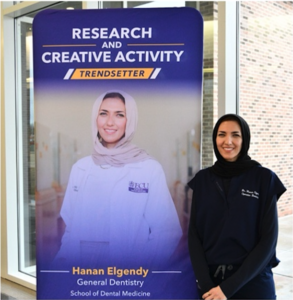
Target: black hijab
224 168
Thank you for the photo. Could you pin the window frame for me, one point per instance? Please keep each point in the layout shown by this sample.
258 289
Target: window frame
10 154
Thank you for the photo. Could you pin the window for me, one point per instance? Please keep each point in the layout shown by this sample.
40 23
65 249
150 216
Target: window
25 146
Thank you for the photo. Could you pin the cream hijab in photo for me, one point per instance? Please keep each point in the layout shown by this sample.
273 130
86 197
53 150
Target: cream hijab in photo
124 152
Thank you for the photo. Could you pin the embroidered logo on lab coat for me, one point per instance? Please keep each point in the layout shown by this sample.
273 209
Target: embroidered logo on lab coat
248 193
138 187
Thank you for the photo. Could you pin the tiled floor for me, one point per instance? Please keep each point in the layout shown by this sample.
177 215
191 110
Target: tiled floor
11 291
283 273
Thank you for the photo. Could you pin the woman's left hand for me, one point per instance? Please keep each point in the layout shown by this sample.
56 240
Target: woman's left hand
214 294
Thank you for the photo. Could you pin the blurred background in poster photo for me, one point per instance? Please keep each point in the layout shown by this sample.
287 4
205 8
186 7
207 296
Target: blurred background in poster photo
168 129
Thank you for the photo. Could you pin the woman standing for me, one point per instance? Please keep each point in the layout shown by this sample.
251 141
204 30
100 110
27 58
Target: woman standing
234 223
117 208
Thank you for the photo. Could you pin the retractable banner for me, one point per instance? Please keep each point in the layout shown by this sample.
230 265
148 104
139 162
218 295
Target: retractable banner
118 97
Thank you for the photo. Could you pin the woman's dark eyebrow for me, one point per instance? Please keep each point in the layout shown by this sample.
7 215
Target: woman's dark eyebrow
222 131
117 111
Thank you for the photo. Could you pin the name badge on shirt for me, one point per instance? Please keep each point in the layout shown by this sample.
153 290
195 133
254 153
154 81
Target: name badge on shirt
138 187
249 193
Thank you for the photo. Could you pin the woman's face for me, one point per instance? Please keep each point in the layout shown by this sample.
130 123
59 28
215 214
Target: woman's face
111 121
229 140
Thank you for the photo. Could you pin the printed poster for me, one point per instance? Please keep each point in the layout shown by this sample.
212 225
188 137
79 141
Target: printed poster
114 226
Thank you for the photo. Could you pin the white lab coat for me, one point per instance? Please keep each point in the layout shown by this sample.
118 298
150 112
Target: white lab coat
123 214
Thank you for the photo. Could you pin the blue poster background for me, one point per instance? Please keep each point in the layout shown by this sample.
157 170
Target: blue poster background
156 55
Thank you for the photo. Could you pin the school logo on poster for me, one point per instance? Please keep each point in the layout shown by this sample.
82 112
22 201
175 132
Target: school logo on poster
138 187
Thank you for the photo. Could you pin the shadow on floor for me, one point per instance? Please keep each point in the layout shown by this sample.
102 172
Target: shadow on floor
6 297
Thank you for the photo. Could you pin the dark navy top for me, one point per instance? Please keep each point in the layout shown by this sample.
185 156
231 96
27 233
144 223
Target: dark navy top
237 227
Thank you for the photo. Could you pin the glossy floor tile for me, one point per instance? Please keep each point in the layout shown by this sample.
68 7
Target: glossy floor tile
283 273
6 297
12 291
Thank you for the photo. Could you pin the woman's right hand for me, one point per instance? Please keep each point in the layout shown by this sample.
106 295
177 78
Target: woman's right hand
214 294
